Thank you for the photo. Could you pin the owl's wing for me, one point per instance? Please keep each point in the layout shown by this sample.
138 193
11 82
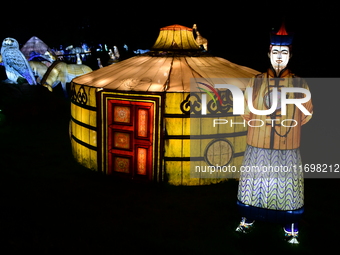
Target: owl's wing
16 62
12 74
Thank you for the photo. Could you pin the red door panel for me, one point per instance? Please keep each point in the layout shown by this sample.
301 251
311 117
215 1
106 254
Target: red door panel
130 137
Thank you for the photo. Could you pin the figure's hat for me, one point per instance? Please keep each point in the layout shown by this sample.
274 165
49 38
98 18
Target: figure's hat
281 37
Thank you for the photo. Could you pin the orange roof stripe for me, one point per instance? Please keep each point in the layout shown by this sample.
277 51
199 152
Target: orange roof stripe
176 27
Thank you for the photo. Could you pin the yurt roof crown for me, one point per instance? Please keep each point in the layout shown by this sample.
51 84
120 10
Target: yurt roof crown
176 38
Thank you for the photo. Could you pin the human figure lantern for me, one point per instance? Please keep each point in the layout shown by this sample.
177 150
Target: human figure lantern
271 185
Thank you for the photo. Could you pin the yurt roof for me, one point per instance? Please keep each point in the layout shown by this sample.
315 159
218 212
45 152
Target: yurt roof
165 71
34 44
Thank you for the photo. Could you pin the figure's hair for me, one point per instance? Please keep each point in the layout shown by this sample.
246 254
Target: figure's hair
289 46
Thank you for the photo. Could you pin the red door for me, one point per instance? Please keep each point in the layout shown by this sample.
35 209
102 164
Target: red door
130 138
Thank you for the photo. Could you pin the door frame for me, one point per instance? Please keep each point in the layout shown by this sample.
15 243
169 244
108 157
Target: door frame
102 119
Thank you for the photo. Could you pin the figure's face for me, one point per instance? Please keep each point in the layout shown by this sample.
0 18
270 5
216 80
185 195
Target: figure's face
279 56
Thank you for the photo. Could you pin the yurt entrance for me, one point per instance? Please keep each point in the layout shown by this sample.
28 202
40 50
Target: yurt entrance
131 135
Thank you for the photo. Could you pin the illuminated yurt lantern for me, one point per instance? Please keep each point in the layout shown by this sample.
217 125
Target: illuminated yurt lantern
133 118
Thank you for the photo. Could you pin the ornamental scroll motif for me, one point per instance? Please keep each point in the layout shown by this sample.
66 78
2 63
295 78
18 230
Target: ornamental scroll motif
192 104
79 96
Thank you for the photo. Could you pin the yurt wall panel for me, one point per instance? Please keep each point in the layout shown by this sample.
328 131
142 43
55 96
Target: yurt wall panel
84 125
193 141
177 142
221 145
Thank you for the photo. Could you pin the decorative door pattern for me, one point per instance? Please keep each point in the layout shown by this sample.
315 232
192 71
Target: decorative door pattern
130 138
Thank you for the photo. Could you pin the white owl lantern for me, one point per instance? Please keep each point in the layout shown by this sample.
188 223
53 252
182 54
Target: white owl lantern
15 62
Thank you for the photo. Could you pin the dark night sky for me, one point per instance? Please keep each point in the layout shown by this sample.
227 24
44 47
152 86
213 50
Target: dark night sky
237 32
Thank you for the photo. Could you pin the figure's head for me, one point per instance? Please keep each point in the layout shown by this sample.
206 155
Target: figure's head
279 56
280 48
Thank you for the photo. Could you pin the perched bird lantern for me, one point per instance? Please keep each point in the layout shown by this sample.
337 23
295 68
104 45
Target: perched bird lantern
15 62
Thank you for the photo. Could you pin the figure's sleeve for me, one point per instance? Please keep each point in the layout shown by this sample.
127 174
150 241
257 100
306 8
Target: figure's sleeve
308 105
246 115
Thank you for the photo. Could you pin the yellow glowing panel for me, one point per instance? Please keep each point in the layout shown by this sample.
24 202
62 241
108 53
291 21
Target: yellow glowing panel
142 161
142 123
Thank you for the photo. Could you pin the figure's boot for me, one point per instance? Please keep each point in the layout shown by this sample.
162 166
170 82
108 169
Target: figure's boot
245 226
291 233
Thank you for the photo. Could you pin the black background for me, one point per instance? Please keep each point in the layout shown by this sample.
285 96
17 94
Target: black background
83 207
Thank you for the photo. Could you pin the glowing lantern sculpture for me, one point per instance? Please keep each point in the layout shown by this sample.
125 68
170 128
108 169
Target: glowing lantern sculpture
34 45
272 188
15 63
132 119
